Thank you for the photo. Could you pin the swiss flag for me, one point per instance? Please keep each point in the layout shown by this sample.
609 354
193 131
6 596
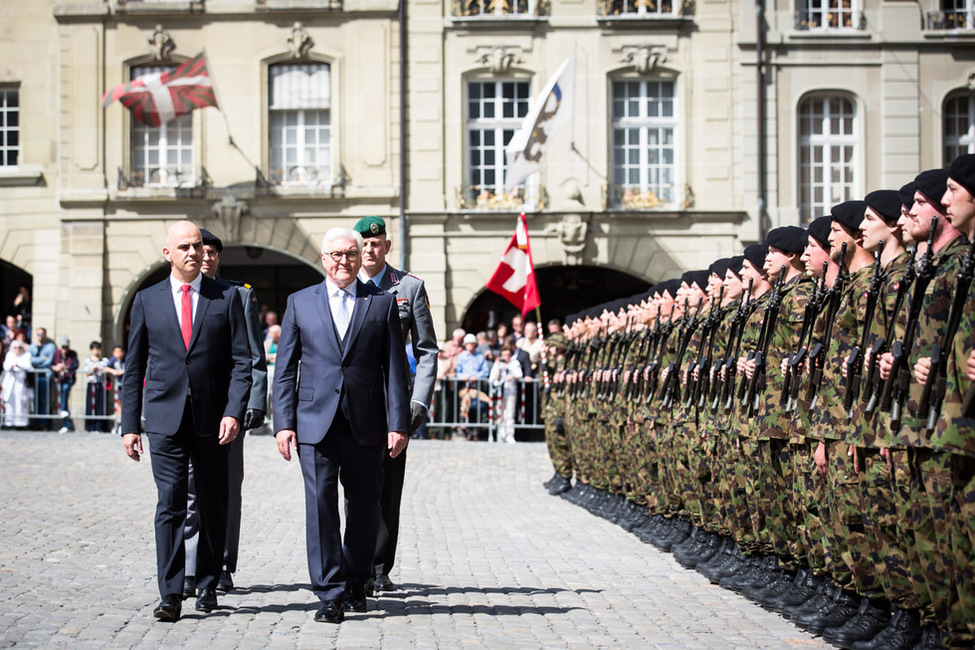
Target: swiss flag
514 279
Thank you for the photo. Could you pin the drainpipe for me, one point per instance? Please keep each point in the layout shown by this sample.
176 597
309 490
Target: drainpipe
404 245
760 114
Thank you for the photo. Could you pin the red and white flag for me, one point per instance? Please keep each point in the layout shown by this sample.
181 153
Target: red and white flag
514 279
160 97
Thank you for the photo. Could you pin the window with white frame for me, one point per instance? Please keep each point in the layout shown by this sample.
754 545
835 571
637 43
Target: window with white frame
162 156
495 8
9 127
827 153
959 126
644 150
300 124
495 110
958 14
827 14
638 8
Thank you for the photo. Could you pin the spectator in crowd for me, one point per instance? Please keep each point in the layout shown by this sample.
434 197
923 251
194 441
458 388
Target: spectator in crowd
517 327
271 355
491 348
8 332
41 359
505 374
521 357
116 369
455 345
533 345
270 320
64 366
16 395
95 366
471 367
502 331
23 309
554 326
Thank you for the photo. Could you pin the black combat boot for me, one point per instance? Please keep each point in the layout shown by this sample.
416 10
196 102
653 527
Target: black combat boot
872 617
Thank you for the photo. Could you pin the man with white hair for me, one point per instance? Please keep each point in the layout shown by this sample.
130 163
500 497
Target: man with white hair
349 405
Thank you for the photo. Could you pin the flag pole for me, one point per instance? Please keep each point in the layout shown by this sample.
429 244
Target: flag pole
226 121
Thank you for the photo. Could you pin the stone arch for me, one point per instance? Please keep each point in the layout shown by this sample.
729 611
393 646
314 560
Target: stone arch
12 278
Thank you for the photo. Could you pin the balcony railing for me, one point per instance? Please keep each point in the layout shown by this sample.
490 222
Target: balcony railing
176 178
500 9
484 198
149 6
830 19
665 197
642 9
297 179
962 18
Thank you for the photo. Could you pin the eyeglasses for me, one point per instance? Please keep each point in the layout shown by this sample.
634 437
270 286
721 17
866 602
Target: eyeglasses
337 256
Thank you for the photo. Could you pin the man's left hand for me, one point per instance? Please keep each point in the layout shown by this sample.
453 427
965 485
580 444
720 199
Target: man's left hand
417 415
397 442
229 428
253 418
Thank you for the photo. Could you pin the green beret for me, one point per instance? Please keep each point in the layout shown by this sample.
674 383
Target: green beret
370 227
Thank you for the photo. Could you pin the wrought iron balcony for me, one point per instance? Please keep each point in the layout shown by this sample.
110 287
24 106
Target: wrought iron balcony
484 198
643 9
178 179
500 9
830 19
961 19
299 179
665 197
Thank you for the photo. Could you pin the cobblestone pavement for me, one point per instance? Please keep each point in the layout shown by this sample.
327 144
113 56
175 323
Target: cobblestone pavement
487 560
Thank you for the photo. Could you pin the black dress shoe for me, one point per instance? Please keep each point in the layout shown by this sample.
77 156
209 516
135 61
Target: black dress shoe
189 587
207 600
169 609
383 583
226 582
332 611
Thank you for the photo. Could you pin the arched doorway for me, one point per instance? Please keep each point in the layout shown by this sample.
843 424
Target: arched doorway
564 290
12 278
273 275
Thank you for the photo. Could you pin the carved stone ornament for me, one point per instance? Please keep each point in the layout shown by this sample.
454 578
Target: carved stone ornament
300 42
230 211
572 232
643 58
161 44
499 58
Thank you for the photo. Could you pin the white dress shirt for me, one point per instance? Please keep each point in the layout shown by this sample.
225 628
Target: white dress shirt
335 297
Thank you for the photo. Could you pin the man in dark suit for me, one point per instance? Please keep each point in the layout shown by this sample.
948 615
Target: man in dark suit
188 346
253 418
345 335
417 323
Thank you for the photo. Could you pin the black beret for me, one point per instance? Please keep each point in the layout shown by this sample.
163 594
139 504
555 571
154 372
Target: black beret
734 264
963 171
932 184
756 254
209 239
720 267
849 213
788 239
906 195
819 230
668 286
700 278
886 203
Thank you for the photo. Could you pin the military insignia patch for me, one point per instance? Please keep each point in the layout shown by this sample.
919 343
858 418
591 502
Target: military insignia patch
374 228
403 302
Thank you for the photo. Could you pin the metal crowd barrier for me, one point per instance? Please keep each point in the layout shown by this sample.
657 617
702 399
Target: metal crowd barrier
44 405
471 409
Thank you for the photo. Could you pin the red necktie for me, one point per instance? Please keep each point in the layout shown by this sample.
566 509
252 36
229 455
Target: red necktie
187 325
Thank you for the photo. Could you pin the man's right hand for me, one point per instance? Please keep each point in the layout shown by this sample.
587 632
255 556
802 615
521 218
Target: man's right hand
133 445
287 440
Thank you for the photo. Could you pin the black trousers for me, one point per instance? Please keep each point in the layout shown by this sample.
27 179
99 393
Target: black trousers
170 457
337 564
394 471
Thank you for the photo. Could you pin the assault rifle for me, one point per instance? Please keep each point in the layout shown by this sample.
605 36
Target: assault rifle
873 383
759 381
854 362
817 355
933 395
899 381
671 390
727 391
702 385
790 383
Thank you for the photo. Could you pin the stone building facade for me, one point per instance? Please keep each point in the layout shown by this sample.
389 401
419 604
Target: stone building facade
655 173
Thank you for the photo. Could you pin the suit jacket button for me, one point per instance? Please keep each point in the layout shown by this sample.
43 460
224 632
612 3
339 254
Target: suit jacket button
187 362
337 391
